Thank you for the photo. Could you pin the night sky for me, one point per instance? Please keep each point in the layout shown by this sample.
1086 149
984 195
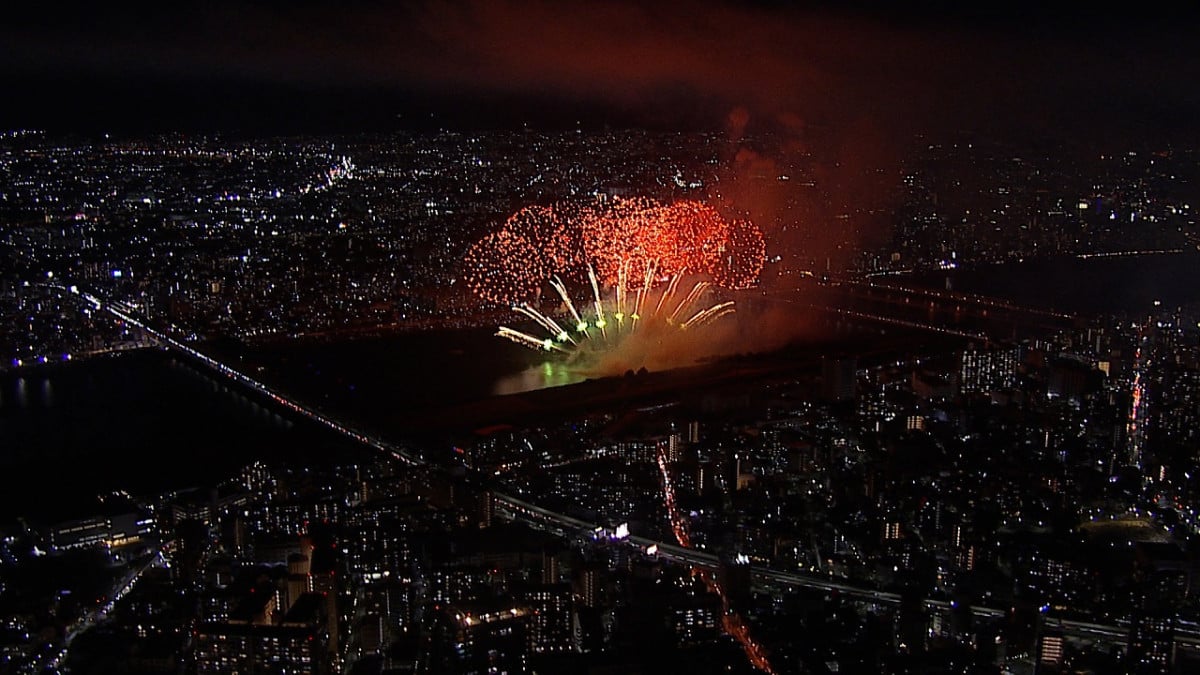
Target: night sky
1011 68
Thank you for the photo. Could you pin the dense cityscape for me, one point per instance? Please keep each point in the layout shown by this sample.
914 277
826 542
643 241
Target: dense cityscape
999 502
600 355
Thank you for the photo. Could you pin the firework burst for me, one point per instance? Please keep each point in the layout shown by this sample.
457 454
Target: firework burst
628 255
606 319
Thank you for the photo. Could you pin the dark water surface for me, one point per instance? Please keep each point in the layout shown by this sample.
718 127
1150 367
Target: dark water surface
1082 285
142 421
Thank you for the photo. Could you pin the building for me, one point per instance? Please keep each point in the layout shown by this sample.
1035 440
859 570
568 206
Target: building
1050 652
839 378
589 585
695 622
112 531
483 638
250 642
1071 378
550 623
1162 583
987 370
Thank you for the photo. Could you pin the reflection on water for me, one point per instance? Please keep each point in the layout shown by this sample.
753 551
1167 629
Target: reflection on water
25 393
1092 285
547 374
22 393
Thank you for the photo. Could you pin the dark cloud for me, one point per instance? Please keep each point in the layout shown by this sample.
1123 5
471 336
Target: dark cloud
907 70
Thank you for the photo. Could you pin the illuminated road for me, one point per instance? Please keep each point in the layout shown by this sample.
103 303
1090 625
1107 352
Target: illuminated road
1135 428
565 525
53 661
731 620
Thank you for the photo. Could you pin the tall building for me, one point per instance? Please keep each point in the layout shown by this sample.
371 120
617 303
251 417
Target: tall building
839 378
734 572
1070 377
1177 408
674 447
324 580
550 624
1162 582
987 370
589 584
372 632
588 632
1151 649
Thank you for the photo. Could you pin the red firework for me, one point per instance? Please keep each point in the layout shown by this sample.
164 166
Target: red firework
626 241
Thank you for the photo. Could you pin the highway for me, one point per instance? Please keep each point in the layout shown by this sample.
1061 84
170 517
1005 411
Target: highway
52 661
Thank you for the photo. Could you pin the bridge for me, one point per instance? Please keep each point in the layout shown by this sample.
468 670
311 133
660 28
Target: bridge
123 313
974 317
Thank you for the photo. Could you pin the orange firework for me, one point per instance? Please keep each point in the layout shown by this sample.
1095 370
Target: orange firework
740 258
550 238
695 235
629 243
490 269
621 237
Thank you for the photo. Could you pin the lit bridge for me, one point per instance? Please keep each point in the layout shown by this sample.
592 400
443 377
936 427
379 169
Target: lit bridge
395 451
963 315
